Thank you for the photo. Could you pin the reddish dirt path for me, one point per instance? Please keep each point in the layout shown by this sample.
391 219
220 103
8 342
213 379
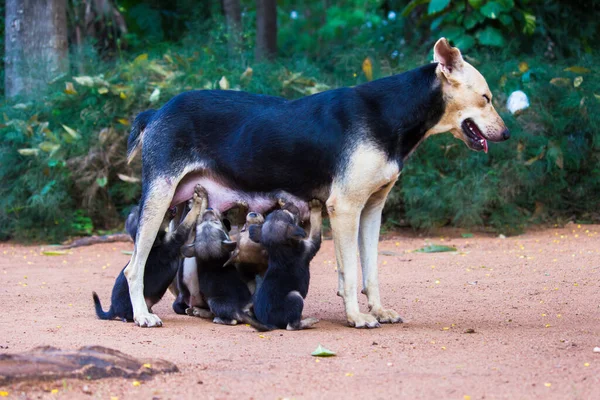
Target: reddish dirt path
533 301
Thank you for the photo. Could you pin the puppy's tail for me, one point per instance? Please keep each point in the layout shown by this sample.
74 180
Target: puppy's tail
137 133
99 311
246 319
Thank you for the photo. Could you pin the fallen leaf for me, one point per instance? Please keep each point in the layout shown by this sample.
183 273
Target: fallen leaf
136 383
140 58
102 90
321 351
154 96
72 132
523 66
54 252
28 152
127 252
467 235
123 121
578 81
435 248
3 393
128 179
560 81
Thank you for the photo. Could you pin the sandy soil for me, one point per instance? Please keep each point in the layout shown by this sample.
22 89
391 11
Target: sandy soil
532 300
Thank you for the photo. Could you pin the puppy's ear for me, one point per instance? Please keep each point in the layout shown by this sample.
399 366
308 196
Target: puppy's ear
131 224
295 232
226 224
229 245
255 233
188 250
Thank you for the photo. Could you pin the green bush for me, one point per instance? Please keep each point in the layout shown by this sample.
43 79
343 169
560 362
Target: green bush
62 157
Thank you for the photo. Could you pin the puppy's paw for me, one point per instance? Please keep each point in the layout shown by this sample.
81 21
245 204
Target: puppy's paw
386 316
200 193
360 320
222 321
199 312
315 204
147 320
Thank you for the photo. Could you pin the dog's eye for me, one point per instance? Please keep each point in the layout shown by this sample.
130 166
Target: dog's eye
485 96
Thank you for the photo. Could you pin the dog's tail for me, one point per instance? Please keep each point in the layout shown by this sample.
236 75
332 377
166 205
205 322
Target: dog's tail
137 133
99 311
246 319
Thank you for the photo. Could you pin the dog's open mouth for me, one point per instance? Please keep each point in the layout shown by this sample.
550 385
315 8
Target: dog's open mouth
475 139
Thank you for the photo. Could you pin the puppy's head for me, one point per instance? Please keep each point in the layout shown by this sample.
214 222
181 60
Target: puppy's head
279 229
469 114
212 240
132 222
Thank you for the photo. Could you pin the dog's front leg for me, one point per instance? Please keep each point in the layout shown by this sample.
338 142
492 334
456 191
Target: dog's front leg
344 217
155 203
370 224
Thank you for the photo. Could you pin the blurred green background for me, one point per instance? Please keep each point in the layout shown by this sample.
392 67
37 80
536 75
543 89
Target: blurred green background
63 168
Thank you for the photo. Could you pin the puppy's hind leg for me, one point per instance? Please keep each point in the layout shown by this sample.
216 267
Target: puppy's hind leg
293 305
156 198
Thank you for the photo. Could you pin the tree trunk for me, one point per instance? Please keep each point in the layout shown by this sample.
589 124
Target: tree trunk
36 47
233 15
266 29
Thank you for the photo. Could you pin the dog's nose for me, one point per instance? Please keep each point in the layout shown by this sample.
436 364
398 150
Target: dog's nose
252 215
505 134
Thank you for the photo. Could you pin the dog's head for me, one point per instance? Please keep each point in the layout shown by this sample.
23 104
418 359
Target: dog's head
469 114
279 229
212 240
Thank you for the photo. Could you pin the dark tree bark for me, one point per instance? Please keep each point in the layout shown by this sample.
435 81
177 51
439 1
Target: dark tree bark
36 47
266 29
233 15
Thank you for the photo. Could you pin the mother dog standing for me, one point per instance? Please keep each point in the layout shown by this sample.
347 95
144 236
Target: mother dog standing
345 147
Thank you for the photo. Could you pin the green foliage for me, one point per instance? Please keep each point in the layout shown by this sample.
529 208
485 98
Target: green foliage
62 157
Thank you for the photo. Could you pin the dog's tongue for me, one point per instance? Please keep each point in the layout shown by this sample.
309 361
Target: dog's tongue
485 146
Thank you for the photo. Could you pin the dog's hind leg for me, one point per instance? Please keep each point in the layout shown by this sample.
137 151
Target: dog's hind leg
155 203
368 239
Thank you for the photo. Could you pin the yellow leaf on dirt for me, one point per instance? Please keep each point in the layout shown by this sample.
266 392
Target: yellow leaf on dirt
54 252
578 70
367 67
224 83
560 81
141 57
3 393
123 121
136 383
578 81
69 88
523 66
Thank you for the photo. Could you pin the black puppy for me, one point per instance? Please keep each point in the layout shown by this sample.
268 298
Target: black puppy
227 295
161 266
279 301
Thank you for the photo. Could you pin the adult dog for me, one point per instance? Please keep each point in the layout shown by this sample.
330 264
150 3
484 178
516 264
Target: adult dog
345 147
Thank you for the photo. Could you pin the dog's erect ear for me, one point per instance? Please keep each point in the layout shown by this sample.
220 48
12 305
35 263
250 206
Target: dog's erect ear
449 57
229 245
295 232
255 233
188 250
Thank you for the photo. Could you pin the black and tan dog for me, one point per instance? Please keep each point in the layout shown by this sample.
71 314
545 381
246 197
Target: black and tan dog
345 147
161 266
279 301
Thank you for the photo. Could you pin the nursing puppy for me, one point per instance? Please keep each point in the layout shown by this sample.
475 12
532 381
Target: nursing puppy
250 258
279 301
227 295
161 266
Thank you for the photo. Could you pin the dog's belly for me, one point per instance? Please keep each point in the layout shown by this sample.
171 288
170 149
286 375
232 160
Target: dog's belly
223 198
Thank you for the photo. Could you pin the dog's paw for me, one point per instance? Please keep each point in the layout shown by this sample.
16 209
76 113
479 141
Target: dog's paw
388 316
199 312
315 204
361 320
147 320
308 322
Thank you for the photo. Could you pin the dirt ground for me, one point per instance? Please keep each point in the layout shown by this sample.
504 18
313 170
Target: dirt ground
532 301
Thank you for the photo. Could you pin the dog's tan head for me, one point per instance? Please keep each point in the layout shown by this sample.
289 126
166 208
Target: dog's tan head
469 114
